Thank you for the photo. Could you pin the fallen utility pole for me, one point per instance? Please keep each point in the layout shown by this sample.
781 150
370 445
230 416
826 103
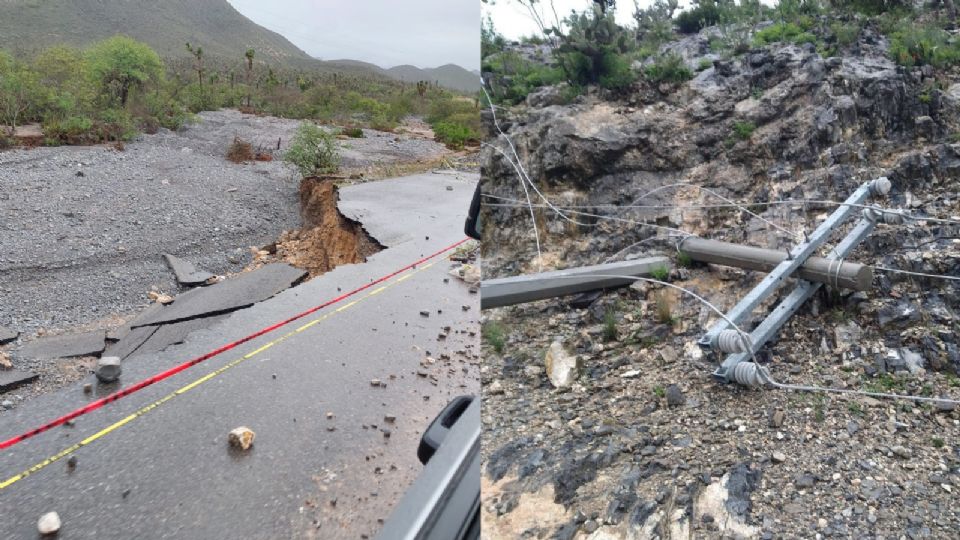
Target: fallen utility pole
721 338
531 287
841 274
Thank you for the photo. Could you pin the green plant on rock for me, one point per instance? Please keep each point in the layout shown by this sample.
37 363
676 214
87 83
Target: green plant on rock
705 13
786 32
594 50
313 150
495 335
743 130
668 68
926 45
660 273
610 332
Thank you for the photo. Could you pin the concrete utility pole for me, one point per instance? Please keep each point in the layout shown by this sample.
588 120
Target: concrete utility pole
531 287
722 339
845 275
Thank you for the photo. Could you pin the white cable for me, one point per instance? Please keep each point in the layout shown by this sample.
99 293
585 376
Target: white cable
814 388
895 270
740 205
721 197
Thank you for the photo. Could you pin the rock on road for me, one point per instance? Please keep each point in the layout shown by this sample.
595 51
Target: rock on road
326 463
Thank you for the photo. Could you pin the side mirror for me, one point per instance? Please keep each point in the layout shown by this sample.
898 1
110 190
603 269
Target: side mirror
473 227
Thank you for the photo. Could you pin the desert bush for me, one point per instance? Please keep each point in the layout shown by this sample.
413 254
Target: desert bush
454 135
592 52
788 32
668 68
313 150
926 45
240 151
692 21
353 132
743 130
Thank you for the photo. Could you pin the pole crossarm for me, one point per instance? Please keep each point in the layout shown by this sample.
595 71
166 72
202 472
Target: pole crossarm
798 256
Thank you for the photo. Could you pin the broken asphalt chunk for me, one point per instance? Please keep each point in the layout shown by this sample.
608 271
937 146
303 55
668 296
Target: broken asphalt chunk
88 344
185 272
108 369
7 335
235 293
12 378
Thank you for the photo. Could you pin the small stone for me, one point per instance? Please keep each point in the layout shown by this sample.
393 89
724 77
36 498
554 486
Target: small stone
72 462
590 526
386 433
776 418
901 452
5 362
495 388
6 404
389 419
329 415
241 437
804 480
49 523
108 369
88 388
375 382
675 397
562 367
945 406
424 313
778 457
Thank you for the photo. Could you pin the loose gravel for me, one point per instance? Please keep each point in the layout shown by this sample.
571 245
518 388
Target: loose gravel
83 229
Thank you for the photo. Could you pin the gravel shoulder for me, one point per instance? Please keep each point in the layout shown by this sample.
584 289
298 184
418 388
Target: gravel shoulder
83 229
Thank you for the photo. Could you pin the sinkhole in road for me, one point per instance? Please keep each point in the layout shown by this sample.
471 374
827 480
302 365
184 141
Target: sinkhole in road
327 238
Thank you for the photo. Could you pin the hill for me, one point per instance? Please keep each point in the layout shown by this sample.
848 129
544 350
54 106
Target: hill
30 25
448 75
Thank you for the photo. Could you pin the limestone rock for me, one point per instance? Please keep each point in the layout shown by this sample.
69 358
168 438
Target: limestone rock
242 438
562 367
49 523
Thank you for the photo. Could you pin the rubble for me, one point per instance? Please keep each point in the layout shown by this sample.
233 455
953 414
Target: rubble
562 367
241 437
49 524
108 369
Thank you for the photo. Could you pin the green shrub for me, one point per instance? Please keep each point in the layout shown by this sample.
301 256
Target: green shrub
845 33
610 332
743 130
698 18
353 132
704 64
116 125
668 68
594 49
788 32
660 273
453 134
616 73
313 150
927 45
495 335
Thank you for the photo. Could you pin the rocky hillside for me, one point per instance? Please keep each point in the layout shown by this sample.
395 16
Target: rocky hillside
641 442
32 25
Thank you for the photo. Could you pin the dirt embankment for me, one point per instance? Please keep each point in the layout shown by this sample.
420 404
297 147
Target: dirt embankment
327 239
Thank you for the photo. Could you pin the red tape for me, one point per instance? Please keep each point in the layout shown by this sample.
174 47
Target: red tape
94 405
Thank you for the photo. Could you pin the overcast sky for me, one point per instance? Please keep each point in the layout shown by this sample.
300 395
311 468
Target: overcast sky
424 33
513 20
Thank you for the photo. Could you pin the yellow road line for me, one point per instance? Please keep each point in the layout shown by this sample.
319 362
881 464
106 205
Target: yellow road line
184 389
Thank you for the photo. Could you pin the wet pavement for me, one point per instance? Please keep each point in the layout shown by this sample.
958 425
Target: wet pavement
169 472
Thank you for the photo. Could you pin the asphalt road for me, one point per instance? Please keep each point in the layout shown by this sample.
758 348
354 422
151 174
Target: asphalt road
169 473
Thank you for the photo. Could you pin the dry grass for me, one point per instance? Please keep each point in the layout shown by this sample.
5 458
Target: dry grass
240 151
